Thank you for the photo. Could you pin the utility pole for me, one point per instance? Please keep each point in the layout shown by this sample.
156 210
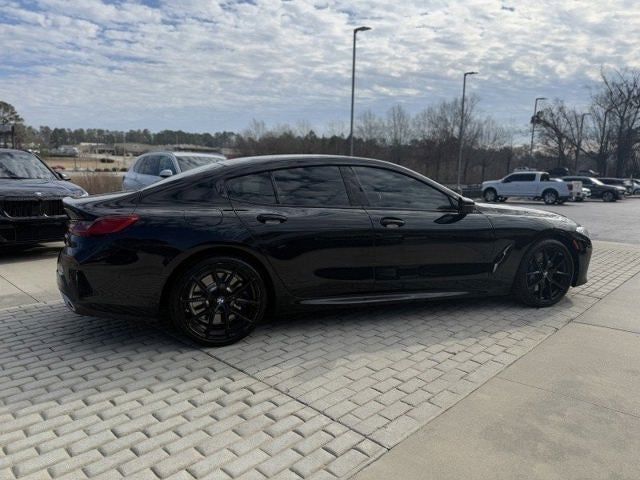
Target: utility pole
461 139
353 84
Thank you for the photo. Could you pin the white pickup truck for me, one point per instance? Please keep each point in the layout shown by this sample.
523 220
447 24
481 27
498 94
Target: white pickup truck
533 185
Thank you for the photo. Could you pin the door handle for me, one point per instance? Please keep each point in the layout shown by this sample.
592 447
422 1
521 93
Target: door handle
271 218
391 222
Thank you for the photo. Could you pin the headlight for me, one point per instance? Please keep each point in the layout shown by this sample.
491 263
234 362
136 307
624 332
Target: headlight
583 231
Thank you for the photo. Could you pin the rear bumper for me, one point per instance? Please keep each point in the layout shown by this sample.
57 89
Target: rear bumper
26 231
104 295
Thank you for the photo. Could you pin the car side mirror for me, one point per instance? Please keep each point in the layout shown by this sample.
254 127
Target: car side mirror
166 173
466 205
63 176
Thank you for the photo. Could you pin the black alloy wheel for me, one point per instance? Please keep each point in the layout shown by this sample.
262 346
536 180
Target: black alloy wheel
545 274
218 301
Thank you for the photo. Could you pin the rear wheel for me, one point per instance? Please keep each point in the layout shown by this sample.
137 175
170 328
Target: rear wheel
545 274
218 301
608 197
490 195
550 197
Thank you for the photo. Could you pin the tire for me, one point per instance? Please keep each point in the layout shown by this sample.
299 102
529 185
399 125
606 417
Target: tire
218 301
579 199
490 195
544 275
502 199
550 197
608 197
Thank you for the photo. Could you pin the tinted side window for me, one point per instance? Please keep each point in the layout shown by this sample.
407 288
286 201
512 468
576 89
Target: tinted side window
311 186
387 189
165 163
150 165
544 177
522 177
255 188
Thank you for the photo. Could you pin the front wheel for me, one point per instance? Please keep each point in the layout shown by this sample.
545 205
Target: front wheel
544 275
550 197
218 301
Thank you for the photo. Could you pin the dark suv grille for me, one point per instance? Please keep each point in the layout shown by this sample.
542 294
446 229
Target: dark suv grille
32 208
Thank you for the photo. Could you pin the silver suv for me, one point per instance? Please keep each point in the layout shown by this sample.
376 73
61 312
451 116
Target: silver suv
155 166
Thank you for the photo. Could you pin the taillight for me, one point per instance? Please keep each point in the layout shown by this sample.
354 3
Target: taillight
102 225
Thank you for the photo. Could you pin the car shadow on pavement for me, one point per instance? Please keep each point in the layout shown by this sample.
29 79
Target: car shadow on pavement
15 254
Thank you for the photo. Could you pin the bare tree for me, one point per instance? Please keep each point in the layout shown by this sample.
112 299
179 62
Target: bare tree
554 134
621 93
491 138
398 131
369 127
256 130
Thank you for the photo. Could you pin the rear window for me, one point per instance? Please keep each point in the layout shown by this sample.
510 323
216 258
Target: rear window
254 188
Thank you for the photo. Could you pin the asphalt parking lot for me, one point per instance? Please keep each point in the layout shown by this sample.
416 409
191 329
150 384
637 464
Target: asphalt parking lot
316 397
614 222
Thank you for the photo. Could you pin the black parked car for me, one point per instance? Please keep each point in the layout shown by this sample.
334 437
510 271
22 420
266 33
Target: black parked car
620 182
608 193
31 195
218 246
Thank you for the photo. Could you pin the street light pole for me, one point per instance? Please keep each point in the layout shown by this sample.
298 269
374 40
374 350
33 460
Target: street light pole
353 84
461 139
579 143
533 123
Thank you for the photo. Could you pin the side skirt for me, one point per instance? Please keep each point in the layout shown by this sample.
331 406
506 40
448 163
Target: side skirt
383 298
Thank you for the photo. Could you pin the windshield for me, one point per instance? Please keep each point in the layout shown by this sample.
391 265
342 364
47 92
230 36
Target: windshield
22 165
595 181
188 162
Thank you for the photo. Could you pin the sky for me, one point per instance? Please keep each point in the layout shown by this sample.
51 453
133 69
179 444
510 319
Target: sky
201 65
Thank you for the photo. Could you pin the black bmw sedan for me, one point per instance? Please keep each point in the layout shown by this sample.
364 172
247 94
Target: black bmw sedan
215 248
31 196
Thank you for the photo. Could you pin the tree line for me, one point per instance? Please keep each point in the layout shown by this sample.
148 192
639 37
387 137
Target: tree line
603 137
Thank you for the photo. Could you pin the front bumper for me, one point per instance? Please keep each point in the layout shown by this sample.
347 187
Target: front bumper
32 230
584 249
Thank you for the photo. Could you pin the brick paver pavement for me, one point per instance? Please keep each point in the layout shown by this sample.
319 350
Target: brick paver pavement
318 397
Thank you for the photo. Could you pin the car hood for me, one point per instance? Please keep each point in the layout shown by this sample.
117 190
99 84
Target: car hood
10 187
491 209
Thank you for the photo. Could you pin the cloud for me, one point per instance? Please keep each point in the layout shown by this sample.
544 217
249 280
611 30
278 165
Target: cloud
205 65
